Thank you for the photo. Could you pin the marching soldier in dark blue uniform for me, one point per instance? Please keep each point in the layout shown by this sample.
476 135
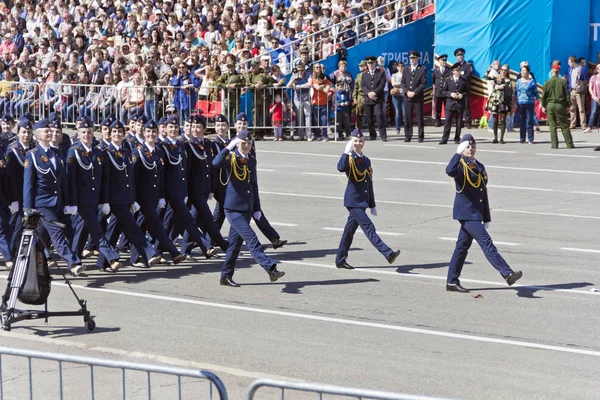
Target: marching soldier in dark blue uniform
221 141
472 210
414 80
466 72
5 231
455 90
45 189
60 141
241 204
176 183
439 75
150 186
201 186
7 136
358 197
15 160
162 130
120 198
84 173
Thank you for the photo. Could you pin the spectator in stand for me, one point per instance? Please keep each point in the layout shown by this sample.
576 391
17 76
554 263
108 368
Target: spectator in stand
301 82
342 109
322 96
526 92
398 97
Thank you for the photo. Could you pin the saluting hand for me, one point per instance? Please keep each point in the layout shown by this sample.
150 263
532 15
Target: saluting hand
233 144
462 147
348 149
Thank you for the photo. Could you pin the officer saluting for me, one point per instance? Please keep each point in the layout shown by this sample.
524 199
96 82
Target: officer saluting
440 73
45 189
472 210
241 204
455 90
84 173
358 197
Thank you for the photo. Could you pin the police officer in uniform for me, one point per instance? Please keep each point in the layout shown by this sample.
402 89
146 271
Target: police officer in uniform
120 198
84 173
241 204
258 81
15 160
466 72
439 75
150 179
373 82
455 90
201 186
472 210
414 79
358 197
45 189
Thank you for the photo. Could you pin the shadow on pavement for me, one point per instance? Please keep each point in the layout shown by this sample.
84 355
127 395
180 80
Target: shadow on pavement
295 287
530 291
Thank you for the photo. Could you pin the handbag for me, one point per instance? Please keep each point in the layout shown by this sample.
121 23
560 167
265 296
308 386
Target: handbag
395 91
581 86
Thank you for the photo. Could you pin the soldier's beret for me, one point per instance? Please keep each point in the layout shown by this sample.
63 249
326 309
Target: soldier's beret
25 123
43 123
459 51
357 133
162 121
244 136
221 118
200 120
151 124
116 125
256 61
443 57
172 120
7 118
362 63
141 119
55 123
107 121
86 122
413 54
468 137
241 117
371 59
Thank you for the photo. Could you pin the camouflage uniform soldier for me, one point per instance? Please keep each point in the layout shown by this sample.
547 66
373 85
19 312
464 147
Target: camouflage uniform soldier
232 82
259 80
358 100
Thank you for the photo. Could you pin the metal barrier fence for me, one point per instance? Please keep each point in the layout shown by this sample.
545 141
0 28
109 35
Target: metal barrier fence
21 98
321 389
101 383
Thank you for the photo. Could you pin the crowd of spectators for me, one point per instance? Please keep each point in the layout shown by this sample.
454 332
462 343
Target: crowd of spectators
53 48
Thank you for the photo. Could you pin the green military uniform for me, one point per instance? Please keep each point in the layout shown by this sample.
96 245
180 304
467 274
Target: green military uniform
232 100
261 99
556 99
359 101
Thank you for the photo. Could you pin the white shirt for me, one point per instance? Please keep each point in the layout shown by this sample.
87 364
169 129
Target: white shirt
151 148
52 158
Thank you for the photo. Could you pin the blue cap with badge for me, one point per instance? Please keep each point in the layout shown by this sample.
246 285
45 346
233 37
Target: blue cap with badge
172 120
162 121
107 121
25 123
7 118
86 122
116 125
242 117
468 137
141 119
244 136
357 133
41 124
151 124
221 118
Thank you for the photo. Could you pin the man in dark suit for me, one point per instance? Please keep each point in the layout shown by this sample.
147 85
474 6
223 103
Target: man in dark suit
466 72
440 73
455 90
414 79
373 83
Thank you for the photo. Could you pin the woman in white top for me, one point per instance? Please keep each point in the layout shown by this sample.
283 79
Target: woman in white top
398 97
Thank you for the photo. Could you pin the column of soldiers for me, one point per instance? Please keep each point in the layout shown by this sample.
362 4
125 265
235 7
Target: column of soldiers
140 186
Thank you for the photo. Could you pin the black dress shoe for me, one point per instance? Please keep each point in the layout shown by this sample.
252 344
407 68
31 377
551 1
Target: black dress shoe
384 139
393 256
227 281
407 140
344 265
512 278
438 124
179 258
457 141
443 142
421 140
280 243
456 287
275 274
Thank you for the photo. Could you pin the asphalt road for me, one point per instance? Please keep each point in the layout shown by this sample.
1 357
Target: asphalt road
380 326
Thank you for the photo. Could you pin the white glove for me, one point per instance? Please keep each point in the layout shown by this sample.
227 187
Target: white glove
374 211
162 203
462 147
185 200
257 215
105 208
14 207
73 210
348 149
66 210
486 225
233 144
134 207
211 196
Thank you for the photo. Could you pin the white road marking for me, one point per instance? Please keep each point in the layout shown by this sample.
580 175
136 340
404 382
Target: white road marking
450 182
564 155
282 224
579 192
378 232
497 151
402 203
343 321
521 169
265 170
322 174
580 250
412 146
450 239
